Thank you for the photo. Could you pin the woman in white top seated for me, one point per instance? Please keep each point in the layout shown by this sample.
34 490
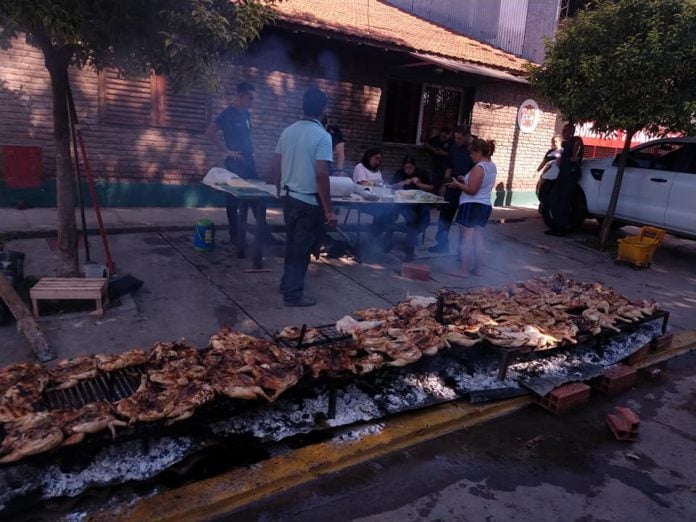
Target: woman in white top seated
475 205
367 171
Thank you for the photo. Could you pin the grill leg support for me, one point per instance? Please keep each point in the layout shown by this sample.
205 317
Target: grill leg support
331 413
505 361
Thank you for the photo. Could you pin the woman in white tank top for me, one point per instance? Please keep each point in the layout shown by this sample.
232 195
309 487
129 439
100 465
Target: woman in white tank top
474 206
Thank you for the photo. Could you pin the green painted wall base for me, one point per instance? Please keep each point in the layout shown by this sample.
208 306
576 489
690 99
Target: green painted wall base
123 194
120 194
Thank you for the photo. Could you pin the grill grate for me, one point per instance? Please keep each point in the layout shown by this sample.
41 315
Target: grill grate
110 387
329 335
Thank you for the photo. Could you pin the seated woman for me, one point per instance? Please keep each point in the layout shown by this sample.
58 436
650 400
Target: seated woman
417 217
367 173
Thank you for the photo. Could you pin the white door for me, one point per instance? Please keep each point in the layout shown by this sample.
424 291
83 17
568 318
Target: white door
646 185
681 207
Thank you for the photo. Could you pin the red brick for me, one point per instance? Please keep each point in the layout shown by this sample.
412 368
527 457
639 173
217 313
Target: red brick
615 379
624 423
639 355
565 397
658 343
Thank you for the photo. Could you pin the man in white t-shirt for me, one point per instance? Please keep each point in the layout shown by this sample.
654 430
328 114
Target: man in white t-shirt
300 170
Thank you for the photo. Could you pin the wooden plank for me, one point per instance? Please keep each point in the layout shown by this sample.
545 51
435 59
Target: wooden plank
50 293
26 323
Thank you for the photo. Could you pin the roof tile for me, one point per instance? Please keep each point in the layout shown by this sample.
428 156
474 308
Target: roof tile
379 21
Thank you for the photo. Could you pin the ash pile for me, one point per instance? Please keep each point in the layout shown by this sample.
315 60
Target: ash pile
100 420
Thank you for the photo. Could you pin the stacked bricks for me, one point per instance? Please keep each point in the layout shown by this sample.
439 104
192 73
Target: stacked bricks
662 342
639 355
615 379
624 424
564 397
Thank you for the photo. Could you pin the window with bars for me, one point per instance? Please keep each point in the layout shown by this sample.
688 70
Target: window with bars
415 112
150 102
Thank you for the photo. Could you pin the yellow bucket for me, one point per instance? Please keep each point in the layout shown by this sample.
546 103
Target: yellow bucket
639 250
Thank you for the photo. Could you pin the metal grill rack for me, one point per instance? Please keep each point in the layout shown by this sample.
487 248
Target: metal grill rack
328 332
108 386
508 354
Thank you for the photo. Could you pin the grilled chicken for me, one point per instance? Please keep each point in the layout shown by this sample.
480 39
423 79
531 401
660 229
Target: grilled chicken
91 418
190 397
149 403
113 362
32 434
69 372
21 385
235 385
291 334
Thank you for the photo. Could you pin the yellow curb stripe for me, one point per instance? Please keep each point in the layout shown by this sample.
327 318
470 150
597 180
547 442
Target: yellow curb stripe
240 487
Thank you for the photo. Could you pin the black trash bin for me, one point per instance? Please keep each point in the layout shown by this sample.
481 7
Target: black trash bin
12 265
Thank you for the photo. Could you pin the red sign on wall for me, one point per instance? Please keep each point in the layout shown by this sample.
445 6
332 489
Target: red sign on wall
21 166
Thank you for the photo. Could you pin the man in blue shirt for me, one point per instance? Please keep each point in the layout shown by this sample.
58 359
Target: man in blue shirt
235 125
300 171
459 164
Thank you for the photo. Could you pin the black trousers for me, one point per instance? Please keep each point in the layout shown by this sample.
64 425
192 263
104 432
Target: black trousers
304 227
561 197
447 213
416 218
245 169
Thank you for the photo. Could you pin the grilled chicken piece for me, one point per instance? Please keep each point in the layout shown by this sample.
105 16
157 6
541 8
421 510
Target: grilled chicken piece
235 385
163 352
276 378
227 339
291 334
68 373
113 362
21 385
189 398
460 339
402 353
368 363
373 314
91 418
22 372
328 360
178 372
33 434
149 403
12 412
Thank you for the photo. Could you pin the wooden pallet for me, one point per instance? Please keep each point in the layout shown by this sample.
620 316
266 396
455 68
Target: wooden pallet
71 288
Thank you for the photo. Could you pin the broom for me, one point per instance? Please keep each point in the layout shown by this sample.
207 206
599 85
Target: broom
118 284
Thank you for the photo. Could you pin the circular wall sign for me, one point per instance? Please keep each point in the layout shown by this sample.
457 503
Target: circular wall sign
528 116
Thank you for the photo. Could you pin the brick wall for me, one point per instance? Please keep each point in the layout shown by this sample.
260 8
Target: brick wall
355 84
517 154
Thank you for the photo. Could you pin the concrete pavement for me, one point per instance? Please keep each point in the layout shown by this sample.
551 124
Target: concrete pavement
191 294
531 466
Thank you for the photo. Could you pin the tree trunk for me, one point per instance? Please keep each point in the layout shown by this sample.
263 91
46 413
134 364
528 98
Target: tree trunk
57 61
611 210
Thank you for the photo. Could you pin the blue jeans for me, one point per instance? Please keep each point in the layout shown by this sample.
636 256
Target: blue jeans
304 226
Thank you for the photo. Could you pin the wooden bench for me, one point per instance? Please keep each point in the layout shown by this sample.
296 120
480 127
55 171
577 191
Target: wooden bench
71 288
